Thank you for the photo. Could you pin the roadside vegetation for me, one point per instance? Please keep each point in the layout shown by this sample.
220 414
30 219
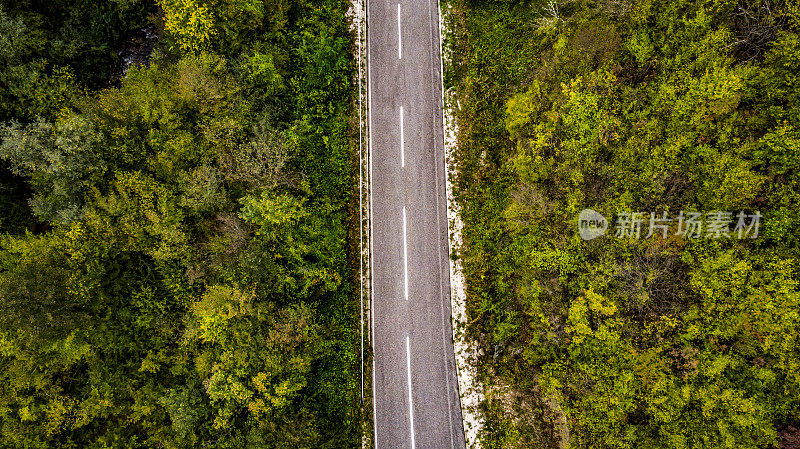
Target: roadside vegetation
173 259
637 106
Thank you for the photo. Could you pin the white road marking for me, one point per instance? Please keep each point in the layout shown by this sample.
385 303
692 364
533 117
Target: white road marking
371 242
405 252
402 140
410 400
399 34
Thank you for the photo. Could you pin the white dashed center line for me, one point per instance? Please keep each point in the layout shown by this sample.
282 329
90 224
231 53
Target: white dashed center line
410 400
399 34
402 140
405 253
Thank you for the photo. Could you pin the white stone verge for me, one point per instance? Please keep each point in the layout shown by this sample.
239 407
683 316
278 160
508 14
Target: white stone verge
469 387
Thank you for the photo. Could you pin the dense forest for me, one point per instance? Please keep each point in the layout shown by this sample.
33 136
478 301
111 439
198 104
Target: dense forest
668 341
175 186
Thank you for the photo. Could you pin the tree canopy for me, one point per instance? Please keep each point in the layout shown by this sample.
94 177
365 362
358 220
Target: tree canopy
642 106
173 259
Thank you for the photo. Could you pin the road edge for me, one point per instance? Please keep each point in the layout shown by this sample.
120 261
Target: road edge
357 13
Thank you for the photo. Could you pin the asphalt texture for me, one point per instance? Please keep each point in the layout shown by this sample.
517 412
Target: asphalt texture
415 388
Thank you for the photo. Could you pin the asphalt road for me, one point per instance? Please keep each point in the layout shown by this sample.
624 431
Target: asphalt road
415 389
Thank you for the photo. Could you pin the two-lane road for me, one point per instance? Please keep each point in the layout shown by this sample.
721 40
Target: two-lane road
415 388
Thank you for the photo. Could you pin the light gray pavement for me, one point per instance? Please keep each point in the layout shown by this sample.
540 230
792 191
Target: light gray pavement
415 389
